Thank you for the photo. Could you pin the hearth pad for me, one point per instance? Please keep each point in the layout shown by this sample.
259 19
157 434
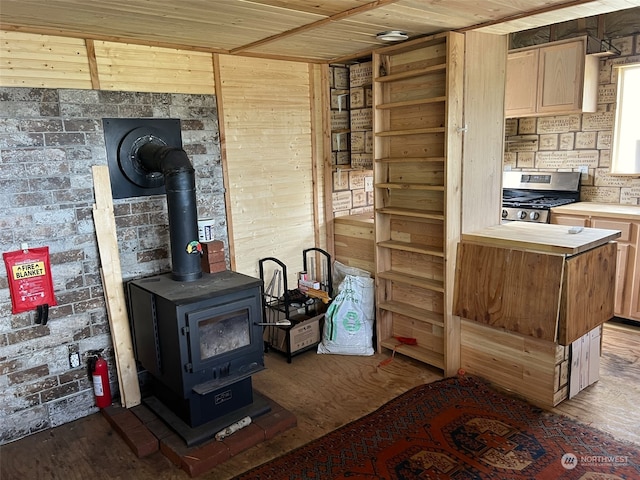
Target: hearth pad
200 434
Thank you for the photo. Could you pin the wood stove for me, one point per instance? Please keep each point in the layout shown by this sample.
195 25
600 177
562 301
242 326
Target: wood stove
199 336
200 341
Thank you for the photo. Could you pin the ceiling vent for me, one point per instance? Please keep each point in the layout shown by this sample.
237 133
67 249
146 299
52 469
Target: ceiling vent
392 36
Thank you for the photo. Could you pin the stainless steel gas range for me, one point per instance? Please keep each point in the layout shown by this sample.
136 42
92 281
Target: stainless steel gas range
529 196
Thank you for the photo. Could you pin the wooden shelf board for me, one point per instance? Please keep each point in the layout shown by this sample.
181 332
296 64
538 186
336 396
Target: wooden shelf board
411 247
411 212
415 351
410 159
411 311
411 103
412 73
411 186
415 280
410 131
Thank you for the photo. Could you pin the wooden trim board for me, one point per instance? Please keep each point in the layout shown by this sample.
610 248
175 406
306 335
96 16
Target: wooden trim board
113 288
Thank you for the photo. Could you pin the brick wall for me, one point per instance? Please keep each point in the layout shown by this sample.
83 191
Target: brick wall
49 140
568 142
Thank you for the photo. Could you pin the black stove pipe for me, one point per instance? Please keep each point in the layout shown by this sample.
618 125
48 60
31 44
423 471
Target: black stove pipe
180 185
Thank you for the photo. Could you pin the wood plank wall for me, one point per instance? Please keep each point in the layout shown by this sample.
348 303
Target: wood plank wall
141 68
485 66
271 120
267 117
43 61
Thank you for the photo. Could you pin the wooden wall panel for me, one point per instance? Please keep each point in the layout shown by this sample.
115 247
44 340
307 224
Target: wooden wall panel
43 61
485 65
355 241
524 365
320 139
269 160
142 68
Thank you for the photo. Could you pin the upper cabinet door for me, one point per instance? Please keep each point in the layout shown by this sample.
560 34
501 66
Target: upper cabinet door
552 79
561 71
522 83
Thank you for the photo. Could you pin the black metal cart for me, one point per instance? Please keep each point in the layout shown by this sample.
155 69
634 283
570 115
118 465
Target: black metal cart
293 318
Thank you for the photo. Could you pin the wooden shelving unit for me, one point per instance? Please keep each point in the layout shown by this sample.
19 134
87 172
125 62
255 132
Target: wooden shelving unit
418 96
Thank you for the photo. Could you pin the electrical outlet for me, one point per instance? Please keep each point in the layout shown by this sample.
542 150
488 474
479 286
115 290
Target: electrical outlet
74 359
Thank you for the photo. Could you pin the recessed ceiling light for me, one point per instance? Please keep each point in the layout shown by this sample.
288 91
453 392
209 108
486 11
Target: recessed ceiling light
392 36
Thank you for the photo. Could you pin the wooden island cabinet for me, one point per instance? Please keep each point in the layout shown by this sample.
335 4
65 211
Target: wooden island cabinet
625 218
525 293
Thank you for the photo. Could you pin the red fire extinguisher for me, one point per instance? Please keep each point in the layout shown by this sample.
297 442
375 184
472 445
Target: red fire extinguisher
99 375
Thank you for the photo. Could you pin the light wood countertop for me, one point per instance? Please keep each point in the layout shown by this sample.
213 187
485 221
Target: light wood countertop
614 210
541 237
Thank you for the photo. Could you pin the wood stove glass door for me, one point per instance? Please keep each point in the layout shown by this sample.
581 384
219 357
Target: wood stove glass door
219 333
223 334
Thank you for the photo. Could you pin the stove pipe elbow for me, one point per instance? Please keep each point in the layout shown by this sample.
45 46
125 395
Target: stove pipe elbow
180 185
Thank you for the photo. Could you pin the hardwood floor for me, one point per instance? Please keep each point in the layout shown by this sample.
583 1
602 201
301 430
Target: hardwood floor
612 403
324 392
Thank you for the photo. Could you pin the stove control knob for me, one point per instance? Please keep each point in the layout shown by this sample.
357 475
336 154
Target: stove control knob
521 214
504 214
534 215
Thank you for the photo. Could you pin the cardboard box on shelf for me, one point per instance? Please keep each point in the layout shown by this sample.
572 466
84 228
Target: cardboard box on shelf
362 160
339 142
339 99
341 201
368 142
341 158
360 74
302 335
339 120
361 119
358 142
340 77
304 285
361 97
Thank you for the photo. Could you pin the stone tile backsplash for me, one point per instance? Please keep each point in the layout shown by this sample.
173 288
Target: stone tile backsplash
568 142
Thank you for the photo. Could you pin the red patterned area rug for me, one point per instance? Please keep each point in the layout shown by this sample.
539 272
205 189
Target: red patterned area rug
460 429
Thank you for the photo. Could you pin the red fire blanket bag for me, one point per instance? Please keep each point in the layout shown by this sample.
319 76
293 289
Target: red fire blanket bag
30 282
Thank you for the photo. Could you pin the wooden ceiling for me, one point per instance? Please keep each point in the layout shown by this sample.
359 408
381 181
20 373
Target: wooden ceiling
307 30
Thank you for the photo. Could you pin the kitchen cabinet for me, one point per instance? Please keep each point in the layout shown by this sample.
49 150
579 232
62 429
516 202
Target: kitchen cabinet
526 292
522 83
552 79
625 218
418 97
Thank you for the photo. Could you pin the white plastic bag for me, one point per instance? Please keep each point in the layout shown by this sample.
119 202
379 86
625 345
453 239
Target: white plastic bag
348 324
340 270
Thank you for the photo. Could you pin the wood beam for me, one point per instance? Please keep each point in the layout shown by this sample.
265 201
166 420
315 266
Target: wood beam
93 64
